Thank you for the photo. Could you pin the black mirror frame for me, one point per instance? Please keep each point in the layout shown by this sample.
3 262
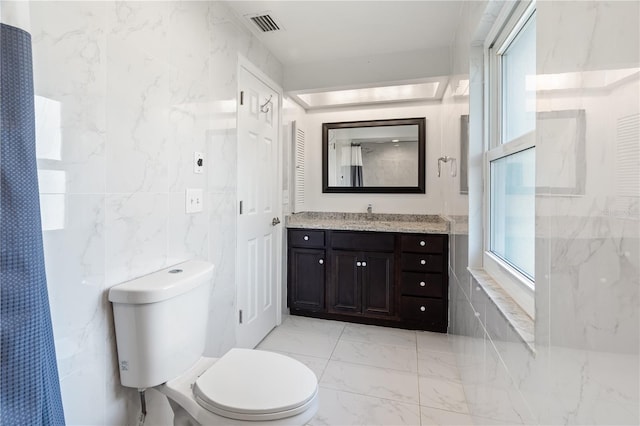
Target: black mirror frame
418 189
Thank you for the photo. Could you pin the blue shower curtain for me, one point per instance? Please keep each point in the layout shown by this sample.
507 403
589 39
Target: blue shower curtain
29 386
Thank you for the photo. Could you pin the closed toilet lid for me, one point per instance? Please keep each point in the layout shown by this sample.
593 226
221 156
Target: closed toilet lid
249 384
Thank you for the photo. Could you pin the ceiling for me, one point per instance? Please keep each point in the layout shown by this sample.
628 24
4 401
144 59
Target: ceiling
315 31
317 35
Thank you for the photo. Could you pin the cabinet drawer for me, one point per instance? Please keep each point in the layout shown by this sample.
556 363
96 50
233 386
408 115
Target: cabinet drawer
421 262
362 241
422 309
421 284
423 243
305 238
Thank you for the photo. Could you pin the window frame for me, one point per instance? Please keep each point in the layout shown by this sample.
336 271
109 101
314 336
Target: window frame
510 22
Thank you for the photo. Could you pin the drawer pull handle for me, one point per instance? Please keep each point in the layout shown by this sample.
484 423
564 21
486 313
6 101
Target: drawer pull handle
306 238
321 261
358 263
422 243
423 262
422 283
422 309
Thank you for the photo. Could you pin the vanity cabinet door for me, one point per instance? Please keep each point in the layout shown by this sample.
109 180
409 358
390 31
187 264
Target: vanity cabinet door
306 279
344 288
361 283
377 284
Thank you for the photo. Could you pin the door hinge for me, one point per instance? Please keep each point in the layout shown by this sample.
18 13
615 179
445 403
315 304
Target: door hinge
242 97
240 316
241 207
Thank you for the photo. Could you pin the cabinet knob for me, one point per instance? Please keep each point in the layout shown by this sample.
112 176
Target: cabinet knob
306 238
422 309
422 283
423 262
422 243
364 263
358 263
321 261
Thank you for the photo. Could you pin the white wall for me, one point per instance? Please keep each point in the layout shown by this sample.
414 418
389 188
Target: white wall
429 203
127 92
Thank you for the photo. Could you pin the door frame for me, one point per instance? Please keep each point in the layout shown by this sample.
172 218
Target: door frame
245 63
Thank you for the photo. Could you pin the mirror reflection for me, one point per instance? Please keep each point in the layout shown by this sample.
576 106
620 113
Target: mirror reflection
374 156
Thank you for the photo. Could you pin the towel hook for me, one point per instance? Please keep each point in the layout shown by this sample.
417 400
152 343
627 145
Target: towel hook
265 106
454 165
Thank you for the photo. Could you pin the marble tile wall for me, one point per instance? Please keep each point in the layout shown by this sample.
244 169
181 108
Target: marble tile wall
389 165
126 92
585 366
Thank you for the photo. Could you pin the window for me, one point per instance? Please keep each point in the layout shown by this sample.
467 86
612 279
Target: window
513 210
509 254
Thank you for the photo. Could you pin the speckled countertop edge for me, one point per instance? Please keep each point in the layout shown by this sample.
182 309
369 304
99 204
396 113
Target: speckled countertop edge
428 224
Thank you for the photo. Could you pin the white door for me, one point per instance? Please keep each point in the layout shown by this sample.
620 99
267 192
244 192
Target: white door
258 256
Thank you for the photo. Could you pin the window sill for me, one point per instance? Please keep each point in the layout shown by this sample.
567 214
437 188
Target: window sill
517 318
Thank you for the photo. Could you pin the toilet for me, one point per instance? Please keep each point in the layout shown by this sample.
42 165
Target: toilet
161 322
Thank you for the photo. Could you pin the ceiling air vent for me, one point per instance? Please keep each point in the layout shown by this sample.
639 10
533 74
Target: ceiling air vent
265 22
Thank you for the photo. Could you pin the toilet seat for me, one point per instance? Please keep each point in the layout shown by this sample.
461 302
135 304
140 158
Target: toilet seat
254 385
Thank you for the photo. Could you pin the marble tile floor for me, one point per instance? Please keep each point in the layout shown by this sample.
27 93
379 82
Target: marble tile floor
372 375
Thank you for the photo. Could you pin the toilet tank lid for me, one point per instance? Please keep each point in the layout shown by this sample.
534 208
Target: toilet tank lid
163 284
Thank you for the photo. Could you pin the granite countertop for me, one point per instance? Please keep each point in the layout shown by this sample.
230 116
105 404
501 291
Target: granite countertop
379 222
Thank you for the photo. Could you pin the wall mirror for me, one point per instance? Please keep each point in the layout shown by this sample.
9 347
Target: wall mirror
377 156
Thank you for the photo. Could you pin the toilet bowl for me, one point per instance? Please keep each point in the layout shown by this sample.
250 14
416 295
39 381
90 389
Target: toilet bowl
160 321
244 387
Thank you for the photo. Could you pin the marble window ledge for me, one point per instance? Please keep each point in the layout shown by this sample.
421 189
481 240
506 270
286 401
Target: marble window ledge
516 317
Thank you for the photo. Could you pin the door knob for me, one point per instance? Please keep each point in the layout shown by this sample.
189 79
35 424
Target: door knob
364 263
358 263
275 221
321 261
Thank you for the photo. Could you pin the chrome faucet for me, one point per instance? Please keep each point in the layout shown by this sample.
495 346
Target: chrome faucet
369 209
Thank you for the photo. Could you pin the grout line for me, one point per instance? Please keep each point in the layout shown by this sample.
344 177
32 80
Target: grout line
337 341
432 351
406 347
374 366
348 339
418 379
371 396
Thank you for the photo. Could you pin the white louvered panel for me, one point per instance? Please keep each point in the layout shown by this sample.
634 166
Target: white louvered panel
298 167
628 156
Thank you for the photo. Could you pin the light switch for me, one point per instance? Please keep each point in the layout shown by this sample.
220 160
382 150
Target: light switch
194 200
198 162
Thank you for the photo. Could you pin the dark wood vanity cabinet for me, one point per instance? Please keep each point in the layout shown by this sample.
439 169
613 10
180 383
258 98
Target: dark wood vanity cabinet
424 281
382 278
361 283
361 275
306 270
306 289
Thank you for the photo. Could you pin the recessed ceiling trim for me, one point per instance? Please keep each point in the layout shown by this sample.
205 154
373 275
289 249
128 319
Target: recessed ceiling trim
431 89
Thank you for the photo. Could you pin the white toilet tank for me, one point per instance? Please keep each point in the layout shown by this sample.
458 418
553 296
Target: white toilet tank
161 322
